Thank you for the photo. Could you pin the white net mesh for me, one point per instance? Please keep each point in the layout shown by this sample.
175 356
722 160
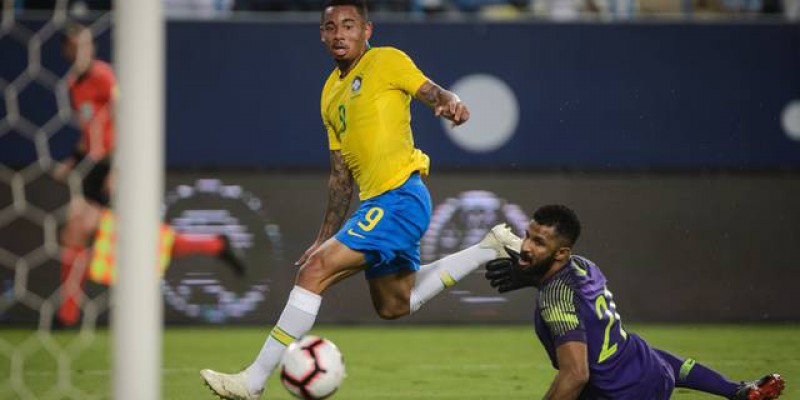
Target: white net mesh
37 128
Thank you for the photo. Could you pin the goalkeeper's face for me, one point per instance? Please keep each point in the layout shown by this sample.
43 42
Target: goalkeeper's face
542 248
345 33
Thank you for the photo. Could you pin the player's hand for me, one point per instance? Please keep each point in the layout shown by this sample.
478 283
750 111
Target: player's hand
302 260
506 274
454 110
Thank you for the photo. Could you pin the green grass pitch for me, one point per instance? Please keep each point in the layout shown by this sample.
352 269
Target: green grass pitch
397 362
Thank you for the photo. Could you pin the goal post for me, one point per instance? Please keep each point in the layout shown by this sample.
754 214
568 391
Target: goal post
137 310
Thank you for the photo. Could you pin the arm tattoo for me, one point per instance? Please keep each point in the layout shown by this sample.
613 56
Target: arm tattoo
430 94
340 192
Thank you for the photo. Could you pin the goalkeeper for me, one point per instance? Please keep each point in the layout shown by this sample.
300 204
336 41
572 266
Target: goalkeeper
579 325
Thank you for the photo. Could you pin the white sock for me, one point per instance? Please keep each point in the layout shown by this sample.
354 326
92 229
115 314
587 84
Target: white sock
296 320
441 274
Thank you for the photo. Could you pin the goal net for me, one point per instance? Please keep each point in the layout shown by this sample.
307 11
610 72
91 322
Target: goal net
58 340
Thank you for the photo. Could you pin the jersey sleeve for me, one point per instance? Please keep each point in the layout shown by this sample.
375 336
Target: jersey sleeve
560 314
402 72
333 140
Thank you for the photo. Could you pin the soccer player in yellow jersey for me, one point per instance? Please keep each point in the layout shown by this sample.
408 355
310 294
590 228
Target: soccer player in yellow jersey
366 112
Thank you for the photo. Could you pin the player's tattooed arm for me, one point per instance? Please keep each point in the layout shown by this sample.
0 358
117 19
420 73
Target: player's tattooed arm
444 102
341 186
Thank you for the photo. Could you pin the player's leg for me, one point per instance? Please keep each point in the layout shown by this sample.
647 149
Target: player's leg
693 375
73 254
82 220
402 291
656 384
433 278
391 294
331 263
372 236
392 251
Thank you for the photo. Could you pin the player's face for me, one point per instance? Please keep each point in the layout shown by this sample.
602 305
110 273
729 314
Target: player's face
79 50
541 248
344 32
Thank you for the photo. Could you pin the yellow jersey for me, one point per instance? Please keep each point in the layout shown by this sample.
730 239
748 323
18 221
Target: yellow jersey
368 118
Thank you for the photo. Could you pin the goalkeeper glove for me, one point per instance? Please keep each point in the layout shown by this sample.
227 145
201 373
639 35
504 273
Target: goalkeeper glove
506 274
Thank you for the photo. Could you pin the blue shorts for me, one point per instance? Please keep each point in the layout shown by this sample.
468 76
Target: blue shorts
388 228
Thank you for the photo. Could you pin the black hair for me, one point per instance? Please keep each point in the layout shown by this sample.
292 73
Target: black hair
360 5
561 217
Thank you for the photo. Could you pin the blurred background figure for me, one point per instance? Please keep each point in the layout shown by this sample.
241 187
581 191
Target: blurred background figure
93 92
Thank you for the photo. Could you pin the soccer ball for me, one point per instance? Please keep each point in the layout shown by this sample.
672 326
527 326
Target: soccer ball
312 368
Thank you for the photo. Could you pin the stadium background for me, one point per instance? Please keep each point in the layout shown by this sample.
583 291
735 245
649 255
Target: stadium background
677 144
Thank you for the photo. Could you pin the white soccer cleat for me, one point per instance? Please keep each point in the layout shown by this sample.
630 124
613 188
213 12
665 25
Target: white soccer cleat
499 238
229 386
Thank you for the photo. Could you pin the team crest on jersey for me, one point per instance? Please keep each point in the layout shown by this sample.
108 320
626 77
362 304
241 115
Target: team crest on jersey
355 87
